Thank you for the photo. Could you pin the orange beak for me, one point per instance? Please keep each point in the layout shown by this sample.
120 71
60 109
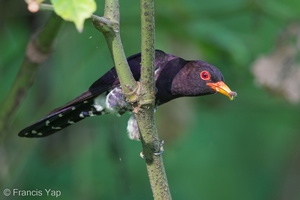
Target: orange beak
222 88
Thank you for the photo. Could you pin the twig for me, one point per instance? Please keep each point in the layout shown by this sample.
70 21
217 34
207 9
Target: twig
145 115
38 50
146 94
109 26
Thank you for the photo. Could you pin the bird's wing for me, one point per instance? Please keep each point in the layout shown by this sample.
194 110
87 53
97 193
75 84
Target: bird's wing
110 79
105 83
81 107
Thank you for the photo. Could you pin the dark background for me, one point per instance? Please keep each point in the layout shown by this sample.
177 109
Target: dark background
215 149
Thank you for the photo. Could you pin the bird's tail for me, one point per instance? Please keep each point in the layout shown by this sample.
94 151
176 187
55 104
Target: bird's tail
59 120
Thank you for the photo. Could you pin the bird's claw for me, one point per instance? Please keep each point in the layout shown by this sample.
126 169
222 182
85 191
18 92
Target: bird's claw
161 150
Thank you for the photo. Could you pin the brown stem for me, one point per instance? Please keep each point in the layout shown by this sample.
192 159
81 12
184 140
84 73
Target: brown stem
38 50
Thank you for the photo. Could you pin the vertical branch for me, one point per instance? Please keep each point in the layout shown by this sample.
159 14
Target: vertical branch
38 50
109 25
145 113
147 48
144 98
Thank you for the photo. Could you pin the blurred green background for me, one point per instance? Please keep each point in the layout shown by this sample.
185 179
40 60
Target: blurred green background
246 149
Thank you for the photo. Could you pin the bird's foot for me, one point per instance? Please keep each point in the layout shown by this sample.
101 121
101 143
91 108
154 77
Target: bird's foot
161 150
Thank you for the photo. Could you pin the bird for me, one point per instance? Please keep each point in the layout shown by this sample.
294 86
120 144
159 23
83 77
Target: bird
174 77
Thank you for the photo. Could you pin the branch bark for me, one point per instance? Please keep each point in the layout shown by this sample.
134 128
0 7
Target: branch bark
109 25
38 50
145 115
143 99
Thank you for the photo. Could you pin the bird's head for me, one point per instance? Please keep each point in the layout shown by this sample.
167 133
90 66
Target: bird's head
199 78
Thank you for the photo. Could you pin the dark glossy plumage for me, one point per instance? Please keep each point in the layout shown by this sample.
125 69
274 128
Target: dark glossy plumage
175 77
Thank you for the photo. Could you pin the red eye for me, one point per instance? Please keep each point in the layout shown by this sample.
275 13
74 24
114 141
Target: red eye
205 75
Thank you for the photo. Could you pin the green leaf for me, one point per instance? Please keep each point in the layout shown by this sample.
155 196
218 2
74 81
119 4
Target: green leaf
75 10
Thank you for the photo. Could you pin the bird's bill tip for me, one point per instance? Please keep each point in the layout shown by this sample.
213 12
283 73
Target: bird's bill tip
222 88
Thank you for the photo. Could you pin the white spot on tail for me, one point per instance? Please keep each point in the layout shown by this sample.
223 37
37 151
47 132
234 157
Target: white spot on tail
56 127
71 122
33 132
60 115
47 123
